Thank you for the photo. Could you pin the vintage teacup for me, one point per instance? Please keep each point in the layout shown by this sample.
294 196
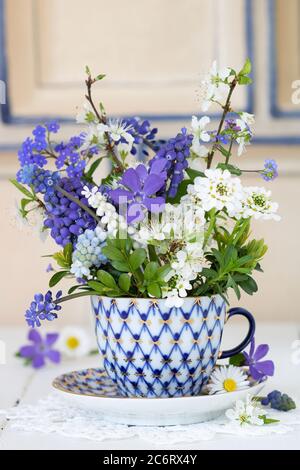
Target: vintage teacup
151 350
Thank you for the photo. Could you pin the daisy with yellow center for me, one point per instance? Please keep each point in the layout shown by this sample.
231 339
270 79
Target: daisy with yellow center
74 342
227 379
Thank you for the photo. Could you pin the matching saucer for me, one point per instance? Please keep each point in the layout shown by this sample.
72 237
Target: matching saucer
94 390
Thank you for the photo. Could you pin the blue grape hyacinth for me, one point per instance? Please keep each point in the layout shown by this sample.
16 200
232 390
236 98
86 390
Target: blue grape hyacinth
175 152
42 181
42 308
278 401
65 219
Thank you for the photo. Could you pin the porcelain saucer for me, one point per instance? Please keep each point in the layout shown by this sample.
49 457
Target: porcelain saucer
94 390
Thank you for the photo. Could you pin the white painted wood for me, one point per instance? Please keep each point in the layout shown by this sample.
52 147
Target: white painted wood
15 383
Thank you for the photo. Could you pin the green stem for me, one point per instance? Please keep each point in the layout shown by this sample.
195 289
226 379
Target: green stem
210 227
102 119
226 109
74 296
78 202
229 152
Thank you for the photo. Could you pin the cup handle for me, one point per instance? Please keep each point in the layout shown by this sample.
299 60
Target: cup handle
249 336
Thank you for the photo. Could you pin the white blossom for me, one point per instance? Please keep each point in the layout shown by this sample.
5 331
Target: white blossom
219 190
246 413
215 88
200 135
257 203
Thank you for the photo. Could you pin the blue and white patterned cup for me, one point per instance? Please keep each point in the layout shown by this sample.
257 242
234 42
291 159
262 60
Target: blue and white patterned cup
150 350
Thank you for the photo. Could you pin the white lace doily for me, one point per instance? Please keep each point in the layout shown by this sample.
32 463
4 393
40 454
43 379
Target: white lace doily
51 415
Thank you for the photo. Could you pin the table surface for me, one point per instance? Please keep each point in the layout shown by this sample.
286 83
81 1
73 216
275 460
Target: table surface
20 385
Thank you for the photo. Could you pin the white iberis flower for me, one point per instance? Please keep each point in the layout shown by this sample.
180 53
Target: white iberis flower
189 261
215 86
74 342
246 413
199 134
110 220
219 190
257 203
227 379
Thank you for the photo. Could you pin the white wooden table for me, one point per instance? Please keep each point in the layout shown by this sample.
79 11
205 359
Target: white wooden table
19 384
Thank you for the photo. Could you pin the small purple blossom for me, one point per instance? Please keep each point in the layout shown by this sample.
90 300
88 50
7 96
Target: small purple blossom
53 126
42 308
258 369
40 349
49 268
270 171
232 125
141 185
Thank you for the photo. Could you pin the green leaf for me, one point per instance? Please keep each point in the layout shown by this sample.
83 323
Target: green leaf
231 168
249 286
24 203
124 282
137 258
96 286
192 174
106 279
237 360
154 290
121 266
68 250
57 277
113 253
244 80
74 288
93 168
181 191
100 76
268 420
162 272
246 67
151 271
22 188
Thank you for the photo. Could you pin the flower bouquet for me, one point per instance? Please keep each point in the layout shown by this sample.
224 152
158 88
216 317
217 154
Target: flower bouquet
158 242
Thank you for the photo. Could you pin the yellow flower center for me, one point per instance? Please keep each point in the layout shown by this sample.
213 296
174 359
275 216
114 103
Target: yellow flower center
229 385
72 342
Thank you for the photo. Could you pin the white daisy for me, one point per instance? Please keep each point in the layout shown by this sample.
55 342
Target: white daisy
257 203
227 379
246 413
74 342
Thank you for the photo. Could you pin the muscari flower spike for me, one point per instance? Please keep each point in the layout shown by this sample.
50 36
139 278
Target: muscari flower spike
42 308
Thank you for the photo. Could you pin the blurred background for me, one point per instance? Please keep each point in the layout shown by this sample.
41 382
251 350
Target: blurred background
154 54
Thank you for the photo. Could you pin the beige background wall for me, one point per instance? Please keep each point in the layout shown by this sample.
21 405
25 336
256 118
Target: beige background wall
154 57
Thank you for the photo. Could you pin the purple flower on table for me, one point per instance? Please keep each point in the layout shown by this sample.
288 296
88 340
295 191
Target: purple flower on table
40 349
258 369
140 187
270 171
42 308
